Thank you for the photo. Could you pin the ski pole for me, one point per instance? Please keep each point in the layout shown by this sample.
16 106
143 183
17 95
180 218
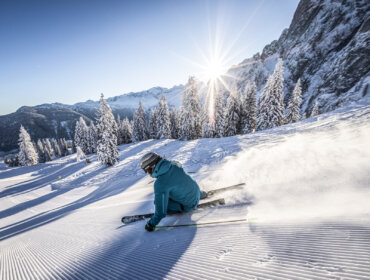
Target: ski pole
202 224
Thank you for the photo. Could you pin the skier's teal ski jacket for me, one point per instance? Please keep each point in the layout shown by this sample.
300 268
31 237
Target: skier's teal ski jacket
173 184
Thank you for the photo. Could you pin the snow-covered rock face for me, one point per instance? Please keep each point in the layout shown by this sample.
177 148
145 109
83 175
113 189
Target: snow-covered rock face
327 46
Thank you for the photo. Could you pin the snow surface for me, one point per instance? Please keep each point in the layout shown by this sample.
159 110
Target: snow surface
306 201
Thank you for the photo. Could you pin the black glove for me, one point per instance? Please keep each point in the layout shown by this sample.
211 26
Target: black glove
149 227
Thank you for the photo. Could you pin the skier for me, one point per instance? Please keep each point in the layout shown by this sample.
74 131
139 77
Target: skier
174 190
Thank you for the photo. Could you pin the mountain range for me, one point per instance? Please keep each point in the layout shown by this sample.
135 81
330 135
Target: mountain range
327 46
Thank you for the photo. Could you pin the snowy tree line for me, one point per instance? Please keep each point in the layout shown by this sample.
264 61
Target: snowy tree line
31 152
101 139
223 113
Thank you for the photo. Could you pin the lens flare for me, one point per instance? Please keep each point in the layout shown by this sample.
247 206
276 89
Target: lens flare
216 56
213 70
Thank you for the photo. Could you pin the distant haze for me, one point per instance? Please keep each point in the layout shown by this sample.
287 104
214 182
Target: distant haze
71 51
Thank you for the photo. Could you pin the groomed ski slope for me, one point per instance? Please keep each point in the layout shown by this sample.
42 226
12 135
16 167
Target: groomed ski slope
306 201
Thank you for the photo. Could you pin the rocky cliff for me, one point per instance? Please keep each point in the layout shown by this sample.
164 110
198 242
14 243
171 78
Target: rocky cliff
327 46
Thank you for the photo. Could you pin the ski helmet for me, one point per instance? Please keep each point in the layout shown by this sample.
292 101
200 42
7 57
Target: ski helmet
149 161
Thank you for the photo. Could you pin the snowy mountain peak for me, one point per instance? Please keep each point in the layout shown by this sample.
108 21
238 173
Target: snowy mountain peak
149 98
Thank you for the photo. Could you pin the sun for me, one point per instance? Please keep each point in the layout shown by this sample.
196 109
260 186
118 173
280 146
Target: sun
213 70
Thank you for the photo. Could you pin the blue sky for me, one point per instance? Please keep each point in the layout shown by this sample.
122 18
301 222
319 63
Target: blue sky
71 51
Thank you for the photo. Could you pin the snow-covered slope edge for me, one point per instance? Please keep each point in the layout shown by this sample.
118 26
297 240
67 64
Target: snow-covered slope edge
307 186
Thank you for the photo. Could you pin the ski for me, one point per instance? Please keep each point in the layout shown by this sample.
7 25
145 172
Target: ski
221 201
135 218
211 203
220 190
201 224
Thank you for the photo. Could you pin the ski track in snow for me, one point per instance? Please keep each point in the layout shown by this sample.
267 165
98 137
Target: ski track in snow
312 222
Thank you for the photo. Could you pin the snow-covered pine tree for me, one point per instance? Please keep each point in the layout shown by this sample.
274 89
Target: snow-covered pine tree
79 153
271 104
139 128
35 146
78 134
53 156
119 136
153 123
163 119
11 160
219 114
250 107
81 135
190 112
107 135
174 119
209 130
40 151
239 98
27 155
48 153
185 126
92 138
126 131
56 148
63 147
315 110
67 148
232 115
294 106
208 119
242 111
